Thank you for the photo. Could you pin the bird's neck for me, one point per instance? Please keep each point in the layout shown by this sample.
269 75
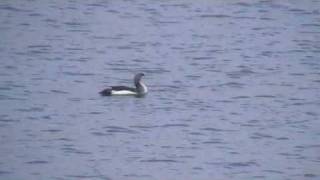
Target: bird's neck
141 88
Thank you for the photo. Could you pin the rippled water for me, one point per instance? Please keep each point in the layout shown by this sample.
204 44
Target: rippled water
234 89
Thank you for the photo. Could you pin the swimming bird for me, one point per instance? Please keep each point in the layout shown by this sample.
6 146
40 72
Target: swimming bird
140 89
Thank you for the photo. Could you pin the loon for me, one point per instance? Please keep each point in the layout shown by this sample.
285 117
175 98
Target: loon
140 90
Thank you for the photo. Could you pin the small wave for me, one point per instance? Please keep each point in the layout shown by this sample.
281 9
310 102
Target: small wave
37 162
160 161
118 129
174 125
215 16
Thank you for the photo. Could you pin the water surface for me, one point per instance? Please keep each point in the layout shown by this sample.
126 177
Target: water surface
234 90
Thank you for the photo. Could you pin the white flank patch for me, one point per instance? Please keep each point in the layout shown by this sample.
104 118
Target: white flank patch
123 92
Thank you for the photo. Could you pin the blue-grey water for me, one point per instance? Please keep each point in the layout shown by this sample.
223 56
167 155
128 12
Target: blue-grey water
234 90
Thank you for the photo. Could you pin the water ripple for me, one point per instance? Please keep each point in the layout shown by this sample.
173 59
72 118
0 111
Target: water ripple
118 129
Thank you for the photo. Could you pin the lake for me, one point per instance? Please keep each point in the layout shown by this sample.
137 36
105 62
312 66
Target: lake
234 90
